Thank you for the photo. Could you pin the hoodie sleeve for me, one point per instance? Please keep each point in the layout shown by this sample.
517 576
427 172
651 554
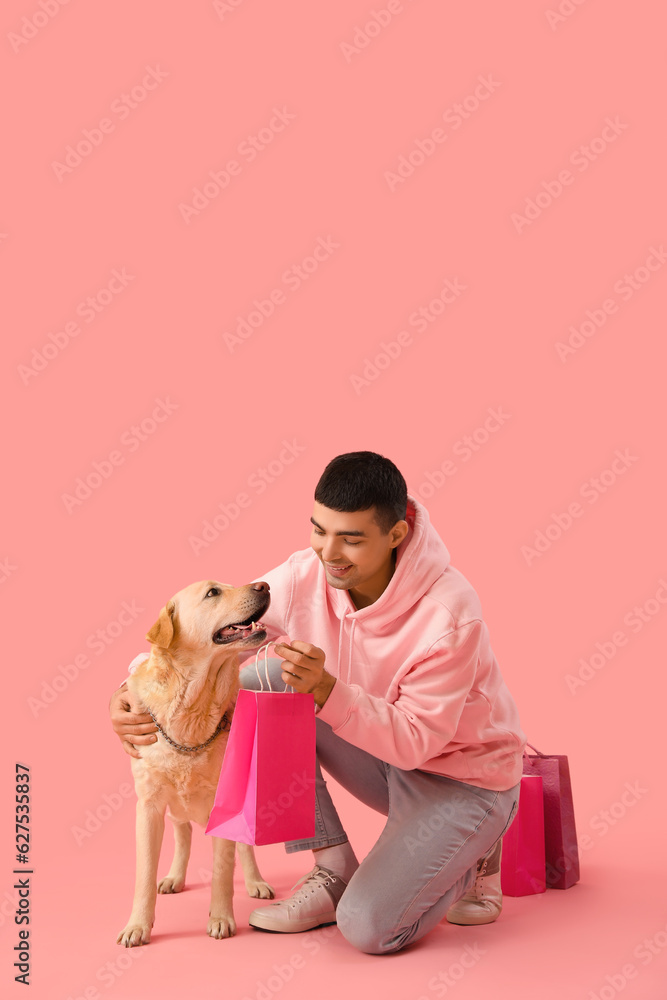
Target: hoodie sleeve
133 666
424 716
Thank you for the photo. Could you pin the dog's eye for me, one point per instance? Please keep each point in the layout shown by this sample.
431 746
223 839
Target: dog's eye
213 592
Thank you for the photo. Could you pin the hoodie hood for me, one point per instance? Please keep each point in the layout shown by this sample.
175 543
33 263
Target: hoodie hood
421 558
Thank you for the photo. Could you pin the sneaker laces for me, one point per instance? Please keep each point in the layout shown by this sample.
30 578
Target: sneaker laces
313 879
476 890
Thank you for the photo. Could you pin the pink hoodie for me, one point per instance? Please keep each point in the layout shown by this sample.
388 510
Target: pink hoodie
417 682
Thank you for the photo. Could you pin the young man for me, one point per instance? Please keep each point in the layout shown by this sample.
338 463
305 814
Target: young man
413 716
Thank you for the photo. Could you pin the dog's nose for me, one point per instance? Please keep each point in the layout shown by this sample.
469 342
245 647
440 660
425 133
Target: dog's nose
261 585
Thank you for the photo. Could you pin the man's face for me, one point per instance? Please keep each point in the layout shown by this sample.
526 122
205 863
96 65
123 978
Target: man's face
354 552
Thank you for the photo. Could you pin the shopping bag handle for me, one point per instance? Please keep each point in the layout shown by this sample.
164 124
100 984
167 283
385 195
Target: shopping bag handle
266 667
538 752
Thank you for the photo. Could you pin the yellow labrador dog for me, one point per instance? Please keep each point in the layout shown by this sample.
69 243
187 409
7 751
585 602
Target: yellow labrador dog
189 685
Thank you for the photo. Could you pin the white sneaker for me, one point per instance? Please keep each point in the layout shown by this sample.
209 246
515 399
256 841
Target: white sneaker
313 905
482 903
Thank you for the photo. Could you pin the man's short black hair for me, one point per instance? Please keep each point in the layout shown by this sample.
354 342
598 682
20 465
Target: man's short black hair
359 480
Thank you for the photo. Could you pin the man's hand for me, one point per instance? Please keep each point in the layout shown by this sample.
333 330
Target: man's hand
131 728
304 670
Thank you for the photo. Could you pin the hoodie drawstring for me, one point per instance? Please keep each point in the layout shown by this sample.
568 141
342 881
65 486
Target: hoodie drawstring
341 632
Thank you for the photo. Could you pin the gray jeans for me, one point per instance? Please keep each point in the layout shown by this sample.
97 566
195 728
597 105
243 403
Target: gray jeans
426 856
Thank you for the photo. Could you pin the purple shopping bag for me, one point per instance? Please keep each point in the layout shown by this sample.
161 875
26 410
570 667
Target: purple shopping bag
562 852
266 789
522 866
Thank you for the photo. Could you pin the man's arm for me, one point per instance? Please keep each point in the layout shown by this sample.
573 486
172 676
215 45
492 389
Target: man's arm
422 720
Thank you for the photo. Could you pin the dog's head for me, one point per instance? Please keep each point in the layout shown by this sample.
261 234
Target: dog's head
209 614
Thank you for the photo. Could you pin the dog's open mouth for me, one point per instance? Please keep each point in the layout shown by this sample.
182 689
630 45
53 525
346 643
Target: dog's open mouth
240 630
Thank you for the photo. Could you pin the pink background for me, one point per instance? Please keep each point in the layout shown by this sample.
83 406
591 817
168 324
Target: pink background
553 82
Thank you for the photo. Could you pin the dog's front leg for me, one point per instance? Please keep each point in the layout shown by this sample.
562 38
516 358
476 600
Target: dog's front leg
150 830
254 882
175 880
221 922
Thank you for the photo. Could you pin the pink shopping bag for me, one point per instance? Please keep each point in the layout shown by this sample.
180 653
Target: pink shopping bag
560 833
522 864
266 789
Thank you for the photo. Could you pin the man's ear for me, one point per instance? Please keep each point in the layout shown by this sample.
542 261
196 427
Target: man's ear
162 632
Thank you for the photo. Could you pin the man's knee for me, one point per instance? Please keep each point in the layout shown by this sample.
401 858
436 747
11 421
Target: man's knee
364 926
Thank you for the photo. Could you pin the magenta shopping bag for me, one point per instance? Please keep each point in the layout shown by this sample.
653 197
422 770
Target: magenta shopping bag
266 789
522 865
560 833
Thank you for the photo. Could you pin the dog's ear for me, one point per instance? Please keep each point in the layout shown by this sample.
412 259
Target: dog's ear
162 632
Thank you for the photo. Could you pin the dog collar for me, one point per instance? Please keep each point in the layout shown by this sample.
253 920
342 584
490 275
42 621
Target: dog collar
223 724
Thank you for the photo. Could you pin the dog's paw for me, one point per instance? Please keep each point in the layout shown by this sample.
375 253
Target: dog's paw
171 884
133 935
260 890
221 927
